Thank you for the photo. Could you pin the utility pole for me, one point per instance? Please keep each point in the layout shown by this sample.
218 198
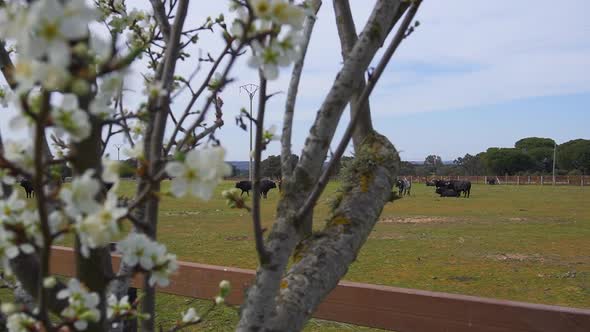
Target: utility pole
554 160
118 146
250 89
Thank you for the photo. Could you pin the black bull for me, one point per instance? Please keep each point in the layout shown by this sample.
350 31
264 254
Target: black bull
460 186
265 187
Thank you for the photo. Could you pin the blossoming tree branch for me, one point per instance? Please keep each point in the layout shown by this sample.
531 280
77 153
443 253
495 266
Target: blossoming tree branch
66 64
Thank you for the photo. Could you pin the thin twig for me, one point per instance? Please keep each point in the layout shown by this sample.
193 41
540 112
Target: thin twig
263 255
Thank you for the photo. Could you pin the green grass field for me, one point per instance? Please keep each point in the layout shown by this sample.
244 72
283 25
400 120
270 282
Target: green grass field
524 243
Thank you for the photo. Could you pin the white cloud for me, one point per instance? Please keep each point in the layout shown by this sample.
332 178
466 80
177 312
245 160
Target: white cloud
464 54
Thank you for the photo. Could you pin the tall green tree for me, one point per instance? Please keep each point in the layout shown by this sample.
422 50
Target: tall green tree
574 155
271 167
470 165
509 161
529 143
432 163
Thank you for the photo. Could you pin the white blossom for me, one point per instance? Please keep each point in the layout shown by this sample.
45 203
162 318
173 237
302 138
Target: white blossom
215 81
52 25
11 208
7 250
110 170
166 264
82 305
136 151
20 322
283 12
69 118
139 251
271 134
81 196
52 77
155 89
101 105
20 153
98 229
190 316
199 174
116 308
13 18
268 59
49 282
8 308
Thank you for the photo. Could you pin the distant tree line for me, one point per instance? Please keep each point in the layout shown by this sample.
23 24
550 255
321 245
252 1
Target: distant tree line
529 156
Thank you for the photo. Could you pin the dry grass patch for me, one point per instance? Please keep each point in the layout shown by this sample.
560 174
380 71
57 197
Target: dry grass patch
415 220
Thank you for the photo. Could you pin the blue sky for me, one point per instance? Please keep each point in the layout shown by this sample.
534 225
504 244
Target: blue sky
475 74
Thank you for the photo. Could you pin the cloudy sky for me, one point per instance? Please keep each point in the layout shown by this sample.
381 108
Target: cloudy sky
475 74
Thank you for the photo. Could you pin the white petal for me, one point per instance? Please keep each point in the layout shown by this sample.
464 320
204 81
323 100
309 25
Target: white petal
271 72
178 187
175 169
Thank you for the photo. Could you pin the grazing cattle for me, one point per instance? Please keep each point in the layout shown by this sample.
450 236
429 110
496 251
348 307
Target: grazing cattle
244 186
404 186
459 186
266 186
492 181
441 183
30 192
430 183
447 192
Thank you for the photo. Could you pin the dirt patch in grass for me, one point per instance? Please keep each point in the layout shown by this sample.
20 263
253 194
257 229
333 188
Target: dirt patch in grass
462 278
238 238
517 219
516 257
414 220
386 236
182 213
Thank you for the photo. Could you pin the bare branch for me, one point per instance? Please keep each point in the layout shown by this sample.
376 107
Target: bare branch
348 38
262 253
363 99
286 164
318 141
161 17
160 107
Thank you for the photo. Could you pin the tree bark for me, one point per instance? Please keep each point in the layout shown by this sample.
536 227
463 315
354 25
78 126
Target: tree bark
260 306
325 257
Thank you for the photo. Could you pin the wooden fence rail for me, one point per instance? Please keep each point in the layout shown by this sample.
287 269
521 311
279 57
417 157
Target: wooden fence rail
398 309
